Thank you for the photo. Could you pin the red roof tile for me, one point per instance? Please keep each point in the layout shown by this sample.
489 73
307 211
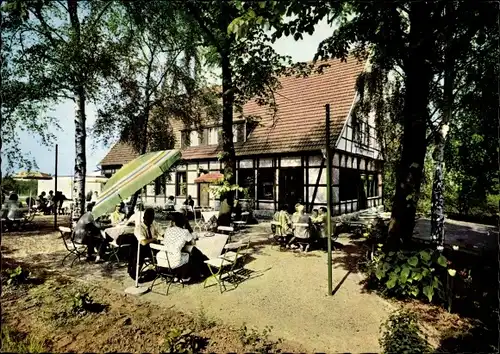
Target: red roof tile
299 124
120 154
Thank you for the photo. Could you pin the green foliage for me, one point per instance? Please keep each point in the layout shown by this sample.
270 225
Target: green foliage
22 188
16 276
402 335
16 342
410 274
203 322
81 303
223 187
182 341
258 342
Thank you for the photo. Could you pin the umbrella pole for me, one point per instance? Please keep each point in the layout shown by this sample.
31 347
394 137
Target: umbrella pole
137 290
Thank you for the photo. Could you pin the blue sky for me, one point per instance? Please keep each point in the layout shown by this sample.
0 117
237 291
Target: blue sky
302 50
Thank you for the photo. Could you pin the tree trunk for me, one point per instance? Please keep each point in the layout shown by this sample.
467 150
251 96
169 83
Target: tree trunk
415 114
80 157
228 154
437 216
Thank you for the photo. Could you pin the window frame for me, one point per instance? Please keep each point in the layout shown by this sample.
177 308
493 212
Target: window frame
178 186
261 184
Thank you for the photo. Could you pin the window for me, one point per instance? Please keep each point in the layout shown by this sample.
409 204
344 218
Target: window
194 138
265 183
160 185
213 136
373 185
246 179
349 181
180 184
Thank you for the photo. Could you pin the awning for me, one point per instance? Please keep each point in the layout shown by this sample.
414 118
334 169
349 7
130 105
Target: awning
210 177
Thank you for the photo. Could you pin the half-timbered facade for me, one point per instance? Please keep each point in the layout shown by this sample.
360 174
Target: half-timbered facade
279 158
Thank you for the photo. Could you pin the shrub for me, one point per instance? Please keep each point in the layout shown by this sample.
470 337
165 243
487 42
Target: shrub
16 276
203 321
411 274
182 341
83 303
402 334
258 342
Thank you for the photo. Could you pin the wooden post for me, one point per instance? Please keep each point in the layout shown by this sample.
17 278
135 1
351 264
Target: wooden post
329 197
55 191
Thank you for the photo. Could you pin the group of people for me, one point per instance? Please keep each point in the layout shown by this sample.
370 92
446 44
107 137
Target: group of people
50 203
300 230
92 233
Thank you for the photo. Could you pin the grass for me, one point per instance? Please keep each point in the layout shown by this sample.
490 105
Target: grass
16 342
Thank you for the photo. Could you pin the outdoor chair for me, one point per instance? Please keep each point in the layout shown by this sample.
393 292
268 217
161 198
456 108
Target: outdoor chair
115 249
199 223
227 230
162 266
78 250
229 266
244 219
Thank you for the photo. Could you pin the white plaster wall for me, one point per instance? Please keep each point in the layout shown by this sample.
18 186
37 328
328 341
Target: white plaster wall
191 176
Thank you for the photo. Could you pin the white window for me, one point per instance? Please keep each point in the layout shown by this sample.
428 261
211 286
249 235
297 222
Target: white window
194 139
213 136
235 133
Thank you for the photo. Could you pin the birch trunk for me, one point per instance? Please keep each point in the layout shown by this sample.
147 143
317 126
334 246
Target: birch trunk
80 129
80 157
415 113
437 211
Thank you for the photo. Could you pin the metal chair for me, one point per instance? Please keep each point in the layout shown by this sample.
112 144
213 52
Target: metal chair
76 249
243 222
227 230
162 266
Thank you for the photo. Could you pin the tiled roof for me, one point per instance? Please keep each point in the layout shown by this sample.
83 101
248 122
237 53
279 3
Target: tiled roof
120 154
299 124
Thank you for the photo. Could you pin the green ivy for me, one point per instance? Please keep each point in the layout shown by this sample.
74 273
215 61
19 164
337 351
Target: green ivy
403 274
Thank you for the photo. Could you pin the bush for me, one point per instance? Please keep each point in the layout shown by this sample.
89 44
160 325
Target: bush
16 276
82 303
411 274
182 341
401 334
258 342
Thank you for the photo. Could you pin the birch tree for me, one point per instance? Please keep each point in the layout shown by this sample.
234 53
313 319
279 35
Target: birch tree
61 47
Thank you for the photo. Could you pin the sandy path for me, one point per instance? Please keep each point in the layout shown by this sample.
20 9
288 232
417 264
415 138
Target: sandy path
288 291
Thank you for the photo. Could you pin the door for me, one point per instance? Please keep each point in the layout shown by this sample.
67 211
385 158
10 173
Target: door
291 186
204 194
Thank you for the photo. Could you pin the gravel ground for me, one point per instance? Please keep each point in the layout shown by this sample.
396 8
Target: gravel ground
287 291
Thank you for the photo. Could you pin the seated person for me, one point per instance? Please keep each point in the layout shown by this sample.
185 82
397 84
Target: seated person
146 231
315 217
11 210
116 217
189 202
301 233
175 238
88 232
296 215
170 206
42 201
284 220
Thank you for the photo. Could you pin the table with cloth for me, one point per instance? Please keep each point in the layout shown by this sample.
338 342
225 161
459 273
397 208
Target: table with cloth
209 246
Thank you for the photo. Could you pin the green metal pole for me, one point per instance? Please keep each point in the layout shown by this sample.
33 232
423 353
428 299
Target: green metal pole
329 197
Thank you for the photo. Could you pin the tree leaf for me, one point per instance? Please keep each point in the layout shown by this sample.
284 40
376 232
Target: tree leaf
442 261
413 261
429 292
404 275
424 255
452 272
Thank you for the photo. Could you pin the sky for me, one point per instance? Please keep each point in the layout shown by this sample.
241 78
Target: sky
302 50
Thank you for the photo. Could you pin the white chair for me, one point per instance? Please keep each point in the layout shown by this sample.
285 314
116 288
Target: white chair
228 230
244 219
75 249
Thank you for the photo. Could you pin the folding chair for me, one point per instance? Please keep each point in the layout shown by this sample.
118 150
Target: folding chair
115 249
227 265
162 266
244 219
227 230
76 249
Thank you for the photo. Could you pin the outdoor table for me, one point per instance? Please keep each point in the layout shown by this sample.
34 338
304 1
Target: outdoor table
116 231
211 246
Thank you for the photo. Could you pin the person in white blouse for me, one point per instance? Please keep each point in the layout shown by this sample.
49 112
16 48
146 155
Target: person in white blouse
175 238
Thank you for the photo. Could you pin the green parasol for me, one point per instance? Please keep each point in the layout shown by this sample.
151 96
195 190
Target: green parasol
132 177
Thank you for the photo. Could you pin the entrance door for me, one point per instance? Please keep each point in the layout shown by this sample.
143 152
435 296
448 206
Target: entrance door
204 194
291 186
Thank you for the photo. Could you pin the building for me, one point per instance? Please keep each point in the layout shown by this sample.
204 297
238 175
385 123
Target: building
280 158
65 184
